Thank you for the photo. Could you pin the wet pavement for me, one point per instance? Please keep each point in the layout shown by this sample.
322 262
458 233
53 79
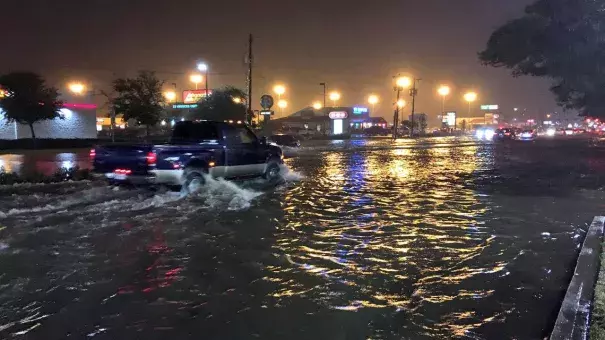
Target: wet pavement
426 239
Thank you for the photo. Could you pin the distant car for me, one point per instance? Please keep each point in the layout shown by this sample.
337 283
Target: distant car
505 134
528 135
376 131
285 140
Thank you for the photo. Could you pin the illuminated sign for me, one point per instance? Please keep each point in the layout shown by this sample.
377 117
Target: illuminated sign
194 96
267 112
184 106
338 114
489 107
360 110
450 118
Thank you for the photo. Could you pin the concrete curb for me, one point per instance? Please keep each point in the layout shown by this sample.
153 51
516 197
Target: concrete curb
573 321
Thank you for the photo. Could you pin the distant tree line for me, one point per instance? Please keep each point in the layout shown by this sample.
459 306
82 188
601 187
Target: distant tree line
28 99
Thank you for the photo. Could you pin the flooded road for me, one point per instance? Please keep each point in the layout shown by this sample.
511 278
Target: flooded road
427 239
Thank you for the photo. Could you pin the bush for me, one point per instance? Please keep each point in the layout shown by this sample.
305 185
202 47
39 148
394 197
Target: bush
61 175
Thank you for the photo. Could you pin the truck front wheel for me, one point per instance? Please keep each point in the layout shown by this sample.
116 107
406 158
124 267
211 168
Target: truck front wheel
273 171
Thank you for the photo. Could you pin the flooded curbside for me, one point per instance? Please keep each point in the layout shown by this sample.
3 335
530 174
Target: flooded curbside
573 320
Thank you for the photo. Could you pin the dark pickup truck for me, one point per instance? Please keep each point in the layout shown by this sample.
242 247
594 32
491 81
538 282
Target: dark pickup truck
196 149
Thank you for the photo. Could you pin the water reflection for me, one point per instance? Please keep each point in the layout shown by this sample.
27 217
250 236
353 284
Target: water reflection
44 161
396 230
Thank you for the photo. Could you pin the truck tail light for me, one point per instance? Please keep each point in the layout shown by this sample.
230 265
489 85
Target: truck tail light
152 157
92 154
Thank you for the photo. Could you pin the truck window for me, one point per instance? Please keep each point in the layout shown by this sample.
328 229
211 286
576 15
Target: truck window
239 135
194 131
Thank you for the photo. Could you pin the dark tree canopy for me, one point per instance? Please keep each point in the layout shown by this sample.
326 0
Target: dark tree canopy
221 105
139 98
563 40
28 99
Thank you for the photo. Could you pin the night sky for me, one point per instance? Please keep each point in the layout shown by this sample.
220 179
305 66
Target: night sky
354 46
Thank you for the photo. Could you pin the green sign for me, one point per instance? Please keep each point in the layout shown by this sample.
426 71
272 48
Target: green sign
184 106
489 107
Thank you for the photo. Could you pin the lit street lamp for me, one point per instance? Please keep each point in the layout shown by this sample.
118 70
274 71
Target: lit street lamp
196 79
470 97
404 82
401 103
443 91
279 90
282 104
317 105
237 100
170 96
77 88
373 100
203 67
334 97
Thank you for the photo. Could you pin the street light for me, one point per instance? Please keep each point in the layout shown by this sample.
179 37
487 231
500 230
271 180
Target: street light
403 82
196 79
237 100
317 105
279 90
334 97
470 97
170 96
401 103
77 88
282 104
443 91
203 67
373 99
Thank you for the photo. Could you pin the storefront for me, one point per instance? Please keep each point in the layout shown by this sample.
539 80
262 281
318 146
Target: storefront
78 122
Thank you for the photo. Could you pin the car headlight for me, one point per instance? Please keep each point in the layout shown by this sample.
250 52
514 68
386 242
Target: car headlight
479 134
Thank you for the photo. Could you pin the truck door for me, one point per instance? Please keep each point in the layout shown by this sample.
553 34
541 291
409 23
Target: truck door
245 157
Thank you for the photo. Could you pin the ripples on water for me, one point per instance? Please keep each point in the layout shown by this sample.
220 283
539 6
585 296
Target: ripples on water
362 241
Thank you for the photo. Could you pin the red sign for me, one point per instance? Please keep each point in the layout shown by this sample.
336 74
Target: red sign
338 115
194 96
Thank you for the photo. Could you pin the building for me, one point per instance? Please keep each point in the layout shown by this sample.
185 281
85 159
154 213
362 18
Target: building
79 122
328 121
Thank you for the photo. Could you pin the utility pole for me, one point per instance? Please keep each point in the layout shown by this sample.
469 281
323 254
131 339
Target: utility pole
396 114
324 85
249 81
413 93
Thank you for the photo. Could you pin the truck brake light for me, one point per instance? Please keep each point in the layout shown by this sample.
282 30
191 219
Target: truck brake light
152 157
93 153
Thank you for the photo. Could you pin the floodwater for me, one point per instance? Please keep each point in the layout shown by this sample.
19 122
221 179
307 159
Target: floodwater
424 239
45 162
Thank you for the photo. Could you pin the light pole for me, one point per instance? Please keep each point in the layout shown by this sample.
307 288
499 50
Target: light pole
400 84
196 79
443 91
470 97
282 104
324 86
373 99
279 90
334 97
203 67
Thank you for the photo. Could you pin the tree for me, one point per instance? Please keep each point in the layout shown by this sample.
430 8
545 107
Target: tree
28 100
561 40
139 98
225 104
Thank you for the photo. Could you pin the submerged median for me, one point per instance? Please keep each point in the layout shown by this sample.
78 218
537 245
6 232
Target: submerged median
61 175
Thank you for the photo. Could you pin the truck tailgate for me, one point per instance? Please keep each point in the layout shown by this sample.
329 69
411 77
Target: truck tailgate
133 157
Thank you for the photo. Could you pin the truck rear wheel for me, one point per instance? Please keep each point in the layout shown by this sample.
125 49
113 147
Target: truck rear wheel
193 178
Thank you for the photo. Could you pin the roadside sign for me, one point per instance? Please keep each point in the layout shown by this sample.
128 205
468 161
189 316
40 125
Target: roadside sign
489 107
267 112
266 102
